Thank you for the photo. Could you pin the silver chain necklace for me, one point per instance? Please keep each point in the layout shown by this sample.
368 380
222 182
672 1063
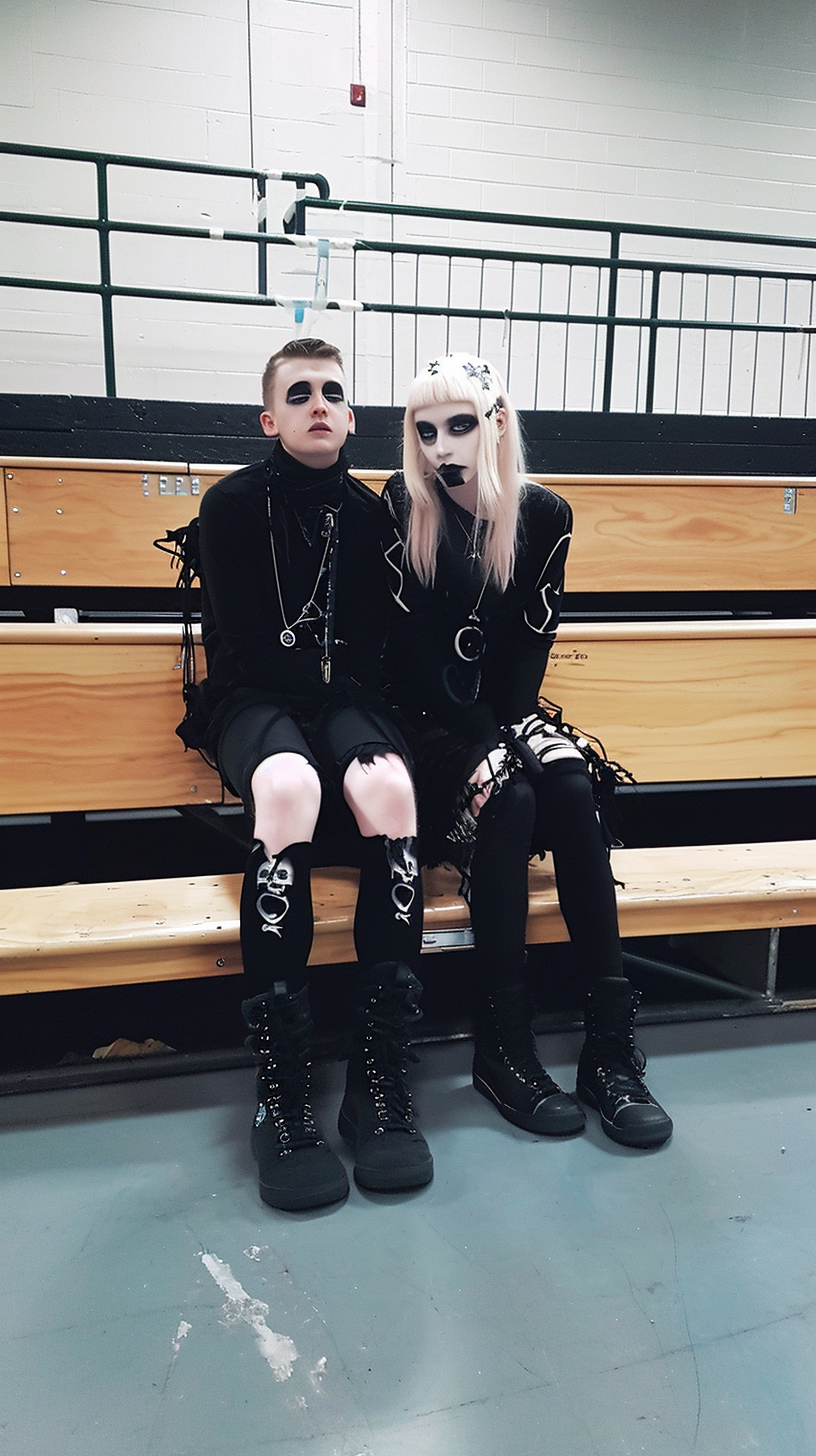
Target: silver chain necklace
310 611
472 536
469 641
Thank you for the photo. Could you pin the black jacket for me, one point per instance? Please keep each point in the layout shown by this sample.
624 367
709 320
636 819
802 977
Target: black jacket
472 700
242 619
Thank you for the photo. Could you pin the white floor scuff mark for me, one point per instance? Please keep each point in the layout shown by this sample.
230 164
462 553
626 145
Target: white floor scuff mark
278 1351
181 1334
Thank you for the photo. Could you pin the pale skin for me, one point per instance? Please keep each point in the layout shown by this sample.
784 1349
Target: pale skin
308 411
448 435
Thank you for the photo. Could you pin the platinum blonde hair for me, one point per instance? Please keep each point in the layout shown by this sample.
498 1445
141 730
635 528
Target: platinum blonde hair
454 379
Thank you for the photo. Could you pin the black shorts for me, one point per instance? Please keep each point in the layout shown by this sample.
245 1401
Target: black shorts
329 743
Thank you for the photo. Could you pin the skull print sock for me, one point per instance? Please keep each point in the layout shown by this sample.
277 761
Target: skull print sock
276 919
388 919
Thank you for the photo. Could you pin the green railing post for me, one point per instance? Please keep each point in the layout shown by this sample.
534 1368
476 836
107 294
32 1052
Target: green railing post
105 295
611 309
651 362
260 193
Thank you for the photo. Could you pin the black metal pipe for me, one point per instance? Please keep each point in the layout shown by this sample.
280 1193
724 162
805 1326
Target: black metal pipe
105 293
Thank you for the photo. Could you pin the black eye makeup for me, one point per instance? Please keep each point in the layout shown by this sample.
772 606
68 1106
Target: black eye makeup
456 425
301 392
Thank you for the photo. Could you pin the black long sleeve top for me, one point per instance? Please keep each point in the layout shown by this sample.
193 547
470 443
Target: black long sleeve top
472 700
262 544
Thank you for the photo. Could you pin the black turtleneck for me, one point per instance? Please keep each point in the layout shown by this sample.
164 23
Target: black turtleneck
273 513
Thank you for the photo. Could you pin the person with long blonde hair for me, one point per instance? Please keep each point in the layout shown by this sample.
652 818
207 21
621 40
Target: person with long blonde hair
476 555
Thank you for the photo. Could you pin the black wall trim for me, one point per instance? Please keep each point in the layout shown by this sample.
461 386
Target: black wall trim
129 429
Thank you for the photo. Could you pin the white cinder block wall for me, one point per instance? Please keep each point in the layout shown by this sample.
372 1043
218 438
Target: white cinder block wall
701 113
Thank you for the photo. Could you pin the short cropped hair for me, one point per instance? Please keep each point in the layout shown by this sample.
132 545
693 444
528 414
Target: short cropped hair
297 349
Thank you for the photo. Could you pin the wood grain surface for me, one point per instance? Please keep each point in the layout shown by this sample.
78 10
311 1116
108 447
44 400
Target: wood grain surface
64 936
90 524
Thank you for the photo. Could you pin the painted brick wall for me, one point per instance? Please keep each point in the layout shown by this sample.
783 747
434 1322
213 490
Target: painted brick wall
700 114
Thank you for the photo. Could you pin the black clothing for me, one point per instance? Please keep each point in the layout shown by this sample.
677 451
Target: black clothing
329 744
472 700
294 607
242 615
277 922
462 710
498 884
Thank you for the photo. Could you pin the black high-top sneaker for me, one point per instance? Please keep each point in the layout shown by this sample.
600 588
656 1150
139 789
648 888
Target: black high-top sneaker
297 1170
507 1071
611 1067
376 1118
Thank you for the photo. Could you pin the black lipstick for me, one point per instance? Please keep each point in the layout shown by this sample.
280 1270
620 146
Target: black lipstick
451 475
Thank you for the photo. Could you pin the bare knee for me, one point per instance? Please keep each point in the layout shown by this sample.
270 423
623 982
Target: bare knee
286 795
381 797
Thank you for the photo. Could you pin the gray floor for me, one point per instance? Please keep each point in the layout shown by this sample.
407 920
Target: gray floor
566 1298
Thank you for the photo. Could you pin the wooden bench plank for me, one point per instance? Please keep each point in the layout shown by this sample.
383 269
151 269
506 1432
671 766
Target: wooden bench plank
66 936
686 702
93 527
684 538
684 533
88 721
90 523
89 711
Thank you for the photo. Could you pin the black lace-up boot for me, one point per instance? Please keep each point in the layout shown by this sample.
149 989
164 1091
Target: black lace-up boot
296 1168
376 1118
611 1067
507 1071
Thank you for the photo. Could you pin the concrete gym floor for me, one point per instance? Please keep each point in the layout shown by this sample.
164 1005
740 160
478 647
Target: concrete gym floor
568 1298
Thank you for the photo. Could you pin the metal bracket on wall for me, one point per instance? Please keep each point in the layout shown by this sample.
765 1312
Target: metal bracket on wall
170 484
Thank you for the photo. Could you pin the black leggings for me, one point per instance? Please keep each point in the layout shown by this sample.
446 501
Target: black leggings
559 812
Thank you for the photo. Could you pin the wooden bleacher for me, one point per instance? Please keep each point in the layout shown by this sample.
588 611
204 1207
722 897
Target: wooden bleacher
89 710
690 533
66 936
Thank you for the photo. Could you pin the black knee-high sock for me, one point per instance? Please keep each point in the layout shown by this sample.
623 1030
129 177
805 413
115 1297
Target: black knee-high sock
498 884
586 889
388 918
277 923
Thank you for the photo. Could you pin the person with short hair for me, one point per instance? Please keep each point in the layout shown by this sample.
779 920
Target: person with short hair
294 602
476 554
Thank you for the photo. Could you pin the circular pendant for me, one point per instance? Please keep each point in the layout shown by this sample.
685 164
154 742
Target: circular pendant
469 643
287 637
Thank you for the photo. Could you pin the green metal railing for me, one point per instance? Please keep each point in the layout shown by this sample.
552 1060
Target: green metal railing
104 226
647 336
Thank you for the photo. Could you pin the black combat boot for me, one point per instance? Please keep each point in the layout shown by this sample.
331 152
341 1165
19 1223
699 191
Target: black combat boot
611 1067
296 1168
507 1071
376 1118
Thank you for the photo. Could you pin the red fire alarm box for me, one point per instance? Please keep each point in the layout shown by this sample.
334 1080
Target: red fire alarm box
357 93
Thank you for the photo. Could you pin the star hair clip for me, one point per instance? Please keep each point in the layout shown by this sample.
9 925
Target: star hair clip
480 372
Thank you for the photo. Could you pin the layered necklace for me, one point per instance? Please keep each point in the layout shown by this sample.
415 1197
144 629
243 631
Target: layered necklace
469 641
311 612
